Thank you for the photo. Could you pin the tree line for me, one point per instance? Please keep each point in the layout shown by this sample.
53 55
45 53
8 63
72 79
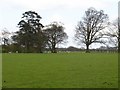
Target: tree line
34 37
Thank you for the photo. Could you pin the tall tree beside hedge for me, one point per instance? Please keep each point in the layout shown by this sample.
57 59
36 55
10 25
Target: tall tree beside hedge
30 34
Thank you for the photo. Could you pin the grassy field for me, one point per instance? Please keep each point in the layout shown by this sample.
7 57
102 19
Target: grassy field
62 70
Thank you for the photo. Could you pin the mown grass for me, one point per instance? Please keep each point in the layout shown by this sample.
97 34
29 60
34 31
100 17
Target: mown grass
61 70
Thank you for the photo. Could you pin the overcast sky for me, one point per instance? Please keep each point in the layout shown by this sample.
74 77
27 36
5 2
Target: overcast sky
68 12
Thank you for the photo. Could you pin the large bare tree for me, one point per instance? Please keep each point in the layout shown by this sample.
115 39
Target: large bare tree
112 33
55 35
89 29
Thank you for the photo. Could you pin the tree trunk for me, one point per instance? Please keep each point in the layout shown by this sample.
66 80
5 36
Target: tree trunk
27 47
87 49
39 48
53 49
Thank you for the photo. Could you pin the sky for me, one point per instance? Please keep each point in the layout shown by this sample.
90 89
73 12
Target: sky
69 12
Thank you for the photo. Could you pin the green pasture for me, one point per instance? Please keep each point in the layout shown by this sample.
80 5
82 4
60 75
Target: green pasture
61 70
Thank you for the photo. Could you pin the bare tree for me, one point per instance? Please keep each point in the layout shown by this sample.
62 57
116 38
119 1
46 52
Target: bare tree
55 35
112 33
5 36
90 29
118 34
5 40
